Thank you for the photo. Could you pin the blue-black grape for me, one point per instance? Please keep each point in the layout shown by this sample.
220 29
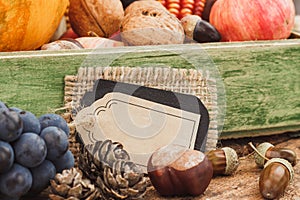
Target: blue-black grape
6 156
51 119
56 141
3 105
41 176
16 182
66 161
30 150
30 122
15 109
4 197
11 125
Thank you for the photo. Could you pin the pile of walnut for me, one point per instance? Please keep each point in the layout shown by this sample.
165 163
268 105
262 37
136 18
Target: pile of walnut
130 22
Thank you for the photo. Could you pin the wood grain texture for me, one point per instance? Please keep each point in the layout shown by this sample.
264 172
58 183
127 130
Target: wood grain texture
262 89
261 79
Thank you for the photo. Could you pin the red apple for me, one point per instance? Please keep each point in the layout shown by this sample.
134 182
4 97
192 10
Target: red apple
69 34
241 20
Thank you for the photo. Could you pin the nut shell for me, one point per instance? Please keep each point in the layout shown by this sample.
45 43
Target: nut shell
225 160
175 172
189 23
262 148
232 160
199 30
275 177
286 163
62 44
100 17
149 23
137 5
285 153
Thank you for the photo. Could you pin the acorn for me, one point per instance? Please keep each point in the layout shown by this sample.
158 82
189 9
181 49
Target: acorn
199 30
275 177
174 170
267 150
225 160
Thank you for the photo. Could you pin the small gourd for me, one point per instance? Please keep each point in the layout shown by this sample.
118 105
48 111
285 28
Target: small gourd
28 24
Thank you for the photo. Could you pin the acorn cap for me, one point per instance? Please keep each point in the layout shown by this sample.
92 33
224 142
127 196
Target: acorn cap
286 163
189 23
262 148
232 160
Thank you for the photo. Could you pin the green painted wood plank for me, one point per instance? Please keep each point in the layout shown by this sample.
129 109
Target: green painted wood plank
262 89
261 79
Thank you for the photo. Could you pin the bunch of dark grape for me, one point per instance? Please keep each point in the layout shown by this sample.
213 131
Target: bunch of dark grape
32 151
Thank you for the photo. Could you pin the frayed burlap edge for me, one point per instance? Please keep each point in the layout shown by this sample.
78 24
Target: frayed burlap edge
188 81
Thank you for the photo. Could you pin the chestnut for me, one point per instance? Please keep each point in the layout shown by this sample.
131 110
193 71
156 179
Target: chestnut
267 150
199 30
174 170
275 177
225 160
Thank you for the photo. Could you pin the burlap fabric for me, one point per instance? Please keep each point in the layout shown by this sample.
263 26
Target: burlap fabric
188 81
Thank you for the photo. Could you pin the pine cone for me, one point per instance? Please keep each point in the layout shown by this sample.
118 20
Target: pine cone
108 165
71 186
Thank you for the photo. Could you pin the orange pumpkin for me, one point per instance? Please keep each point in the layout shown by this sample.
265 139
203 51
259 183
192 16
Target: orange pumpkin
28 24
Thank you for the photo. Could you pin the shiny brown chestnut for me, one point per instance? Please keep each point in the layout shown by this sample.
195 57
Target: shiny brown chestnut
268 150
275 177
225 160
174 170
199 30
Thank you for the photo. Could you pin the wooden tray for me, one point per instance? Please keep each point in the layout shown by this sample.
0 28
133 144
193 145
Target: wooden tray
261 79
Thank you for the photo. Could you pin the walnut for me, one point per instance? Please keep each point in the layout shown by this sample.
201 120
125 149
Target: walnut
99 17
150 23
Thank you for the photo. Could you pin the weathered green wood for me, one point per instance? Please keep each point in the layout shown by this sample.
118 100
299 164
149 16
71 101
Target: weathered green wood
261 79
